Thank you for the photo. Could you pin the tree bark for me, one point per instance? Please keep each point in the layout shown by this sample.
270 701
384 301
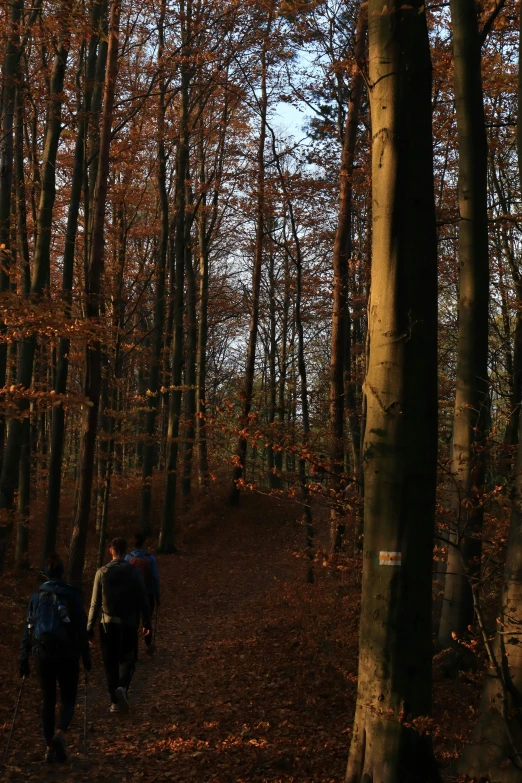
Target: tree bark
41 264
471 397
153 391
168 514
342 254
94 351
246 401
201 409
495 749
400 446
190 377
52 510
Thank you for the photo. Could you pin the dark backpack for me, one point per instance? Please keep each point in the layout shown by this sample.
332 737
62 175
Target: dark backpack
143 563
119 590
51 626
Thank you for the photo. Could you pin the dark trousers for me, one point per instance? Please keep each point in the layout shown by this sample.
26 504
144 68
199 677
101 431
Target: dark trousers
152 601
119 646
65 672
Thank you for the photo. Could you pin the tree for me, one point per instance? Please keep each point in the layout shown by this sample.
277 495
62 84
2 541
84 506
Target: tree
400 443
342 254
246 395
94 352
471 397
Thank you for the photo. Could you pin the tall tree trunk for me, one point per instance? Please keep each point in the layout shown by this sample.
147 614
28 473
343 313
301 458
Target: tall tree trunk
24 482
273 478
283 368
471 397
11 79
400 447
41 265
190 376
153 391
201 409
52 510
495 748
342 254
94 351
246 401
301 364
168 514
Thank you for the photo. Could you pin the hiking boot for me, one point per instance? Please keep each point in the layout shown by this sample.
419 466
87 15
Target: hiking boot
50 756
121 699
114 708
58 745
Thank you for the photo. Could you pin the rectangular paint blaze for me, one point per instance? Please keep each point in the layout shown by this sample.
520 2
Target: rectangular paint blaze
390 558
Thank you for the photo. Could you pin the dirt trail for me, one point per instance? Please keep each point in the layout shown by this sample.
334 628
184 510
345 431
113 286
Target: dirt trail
238 689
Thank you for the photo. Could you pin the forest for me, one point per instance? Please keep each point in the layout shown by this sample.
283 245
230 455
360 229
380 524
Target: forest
261 300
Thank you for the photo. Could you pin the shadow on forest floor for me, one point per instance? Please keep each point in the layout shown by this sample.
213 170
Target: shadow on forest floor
254 678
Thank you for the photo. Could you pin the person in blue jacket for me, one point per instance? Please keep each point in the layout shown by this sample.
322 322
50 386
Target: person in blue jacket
148 566
55 634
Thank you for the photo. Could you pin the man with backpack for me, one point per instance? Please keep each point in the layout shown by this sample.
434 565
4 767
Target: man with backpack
148 566
119 599
56 635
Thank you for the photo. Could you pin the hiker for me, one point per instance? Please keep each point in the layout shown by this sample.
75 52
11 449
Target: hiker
55 634
119 599
148 566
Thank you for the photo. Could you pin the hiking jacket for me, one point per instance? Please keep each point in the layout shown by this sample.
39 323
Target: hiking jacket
77 628
119 596
154 587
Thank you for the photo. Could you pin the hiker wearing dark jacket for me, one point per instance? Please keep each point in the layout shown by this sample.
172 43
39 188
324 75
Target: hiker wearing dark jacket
148 566
119 600
55 634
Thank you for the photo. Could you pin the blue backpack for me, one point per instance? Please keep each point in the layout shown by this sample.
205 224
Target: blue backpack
50 625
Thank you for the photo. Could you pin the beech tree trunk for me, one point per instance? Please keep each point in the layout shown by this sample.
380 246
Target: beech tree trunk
342 254
400 444
41 263
471 397
153 391
190 377
201 410
11 80
24 480
94 351
495 749
248 388
52 510
168 513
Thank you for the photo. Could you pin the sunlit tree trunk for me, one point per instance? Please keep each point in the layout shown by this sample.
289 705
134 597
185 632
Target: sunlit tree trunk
400 445
471 397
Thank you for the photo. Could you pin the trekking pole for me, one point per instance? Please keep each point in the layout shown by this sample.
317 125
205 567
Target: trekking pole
14 721
85 721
